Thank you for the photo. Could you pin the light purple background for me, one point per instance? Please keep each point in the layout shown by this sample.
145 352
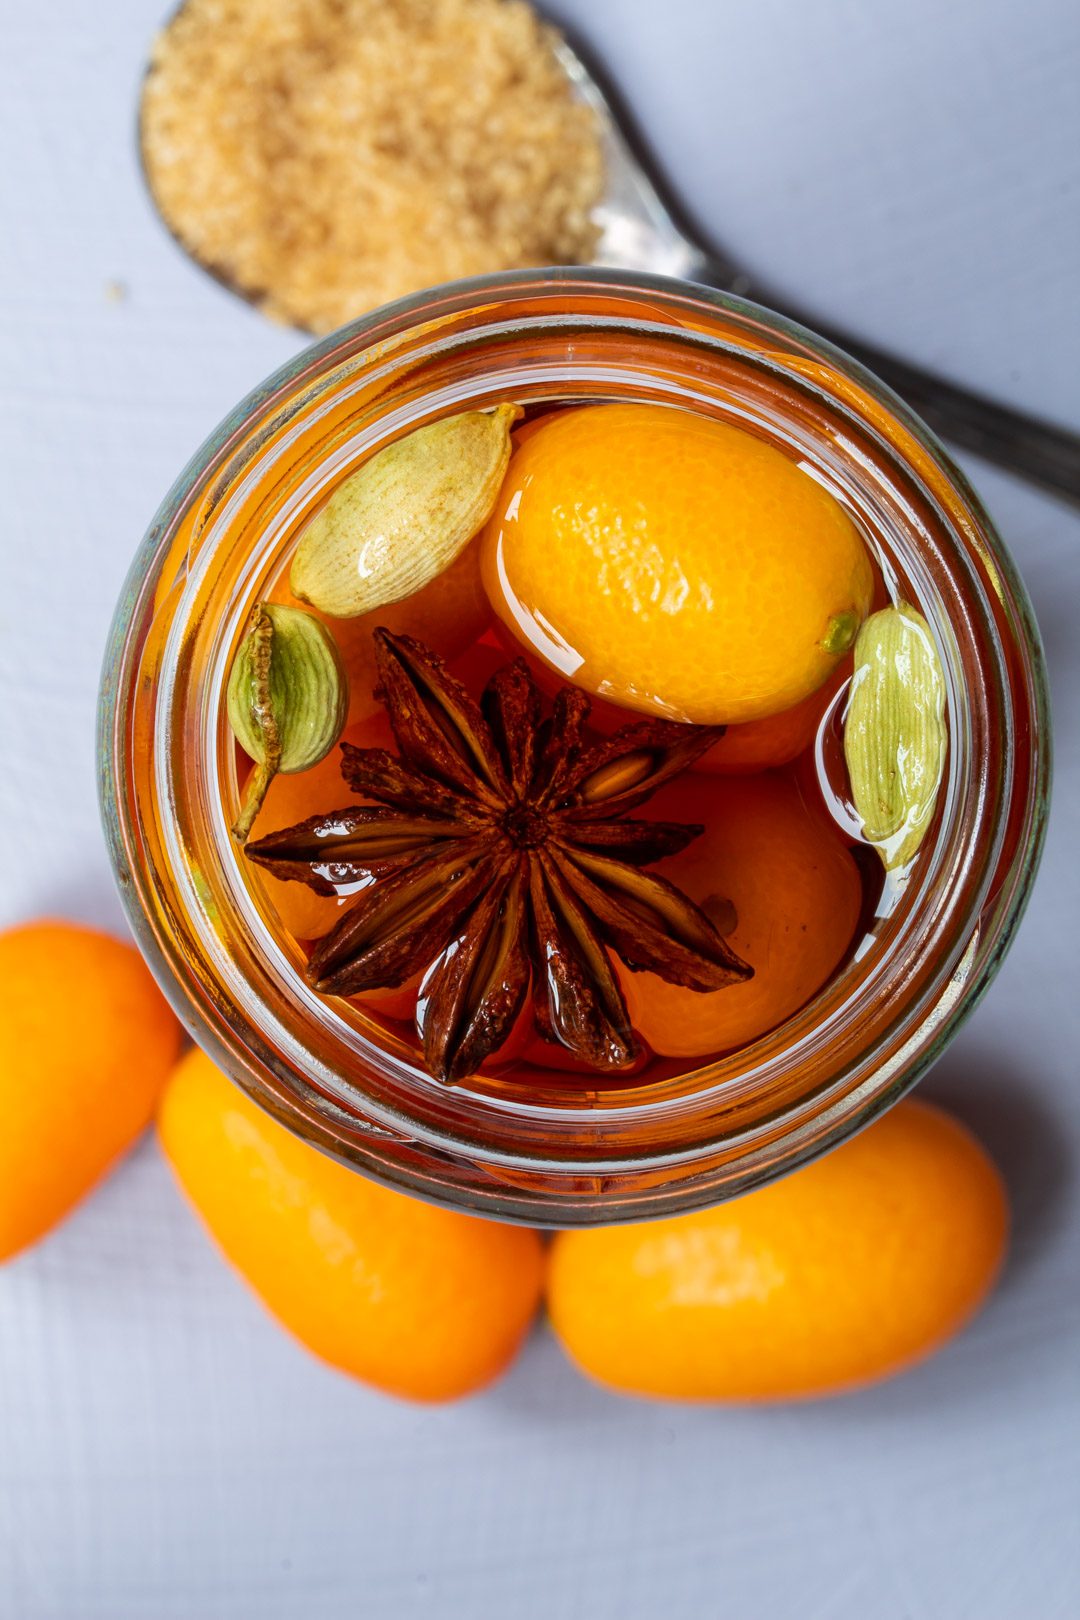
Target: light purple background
165 1453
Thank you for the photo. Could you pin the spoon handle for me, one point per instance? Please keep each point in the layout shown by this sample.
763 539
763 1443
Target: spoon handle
1041 452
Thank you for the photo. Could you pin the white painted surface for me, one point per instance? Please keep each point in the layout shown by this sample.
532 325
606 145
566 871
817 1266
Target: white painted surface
164 1453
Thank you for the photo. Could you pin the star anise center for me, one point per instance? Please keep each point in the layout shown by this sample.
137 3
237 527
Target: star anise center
526 826
498 860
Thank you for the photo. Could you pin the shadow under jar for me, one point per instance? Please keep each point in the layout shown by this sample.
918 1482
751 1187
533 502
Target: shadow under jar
523 1149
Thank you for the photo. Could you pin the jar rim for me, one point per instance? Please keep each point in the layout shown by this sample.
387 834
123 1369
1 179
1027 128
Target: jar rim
773 1143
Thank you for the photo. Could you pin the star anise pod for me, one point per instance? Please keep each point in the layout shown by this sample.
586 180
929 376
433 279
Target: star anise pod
499 856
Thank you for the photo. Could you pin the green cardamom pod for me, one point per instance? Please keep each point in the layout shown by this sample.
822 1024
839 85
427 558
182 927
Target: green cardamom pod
404 517
287 698
895 739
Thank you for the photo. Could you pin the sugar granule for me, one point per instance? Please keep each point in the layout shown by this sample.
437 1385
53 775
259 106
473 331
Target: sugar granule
325 156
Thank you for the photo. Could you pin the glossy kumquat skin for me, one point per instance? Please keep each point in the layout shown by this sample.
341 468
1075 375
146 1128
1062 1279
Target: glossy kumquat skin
421 1302
86 1043
847 1271
673 563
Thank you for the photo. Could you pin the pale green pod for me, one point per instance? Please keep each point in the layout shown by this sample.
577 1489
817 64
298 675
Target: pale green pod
404 517
895 738
287 698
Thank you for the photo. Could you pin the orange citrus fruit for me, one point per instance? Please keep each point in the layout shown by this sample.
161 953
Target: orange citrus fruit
395 1001
674 564
761 745
789 893
848 1271
87 1041
422 1302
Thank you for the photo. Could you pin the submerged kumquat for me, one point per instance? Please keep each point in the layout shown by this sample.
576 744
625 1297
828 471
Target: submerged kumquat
761 745
790 894
674 564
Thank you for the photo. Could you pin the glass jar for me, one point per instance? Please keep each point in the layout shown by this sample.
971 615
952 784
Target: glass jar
169 786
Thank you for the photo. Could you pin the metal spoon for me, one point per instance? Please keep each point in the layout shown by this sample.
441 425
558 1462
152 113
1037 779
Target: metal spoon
640 232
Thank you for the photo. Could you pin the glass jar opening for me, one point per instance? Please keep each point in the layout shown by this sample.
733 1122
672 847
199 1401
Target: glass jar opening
619 1149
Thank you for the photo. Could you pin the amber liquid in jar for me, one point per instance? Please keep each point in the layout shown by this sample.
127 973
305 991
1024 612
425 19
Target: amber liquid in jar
781 866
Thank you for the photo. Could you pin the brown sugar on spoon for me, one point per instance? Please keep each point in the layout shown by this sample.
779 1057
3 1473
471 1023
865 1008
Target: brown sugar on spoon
324 156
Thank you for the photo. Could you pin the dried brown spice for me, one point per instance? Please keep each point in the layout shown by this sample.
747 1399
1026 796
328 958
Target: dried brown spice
499 856
325 156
